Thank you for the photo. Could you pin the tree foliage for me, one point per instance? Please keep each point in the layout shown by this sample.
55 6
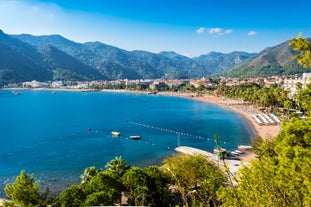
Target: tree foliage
135 180
149 186
195 178
160 194
117 165
274 96
72 196
24 191
303 98
282 174
302 45
103 189
88 174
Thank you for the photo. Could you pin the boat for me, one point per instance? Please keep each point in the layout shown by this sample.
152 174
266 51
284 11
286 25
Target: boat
244 147
238 152
235 153
135 137
53 92
115 134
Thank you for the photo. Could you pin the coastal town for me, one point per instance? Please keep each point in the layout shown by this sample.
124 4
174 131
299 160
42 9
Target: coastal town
287 83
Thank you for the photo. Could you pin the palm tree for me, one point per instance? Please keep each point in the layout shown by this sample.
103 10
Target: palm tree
88 174
298 85
117 165
288 104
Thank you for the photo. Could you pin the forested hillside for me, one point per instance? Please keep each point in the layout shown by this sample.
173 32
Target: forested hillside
276 60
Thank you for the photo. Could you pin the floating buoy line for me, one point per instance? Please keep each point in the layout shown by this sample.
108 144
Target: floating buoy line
94 133
178 133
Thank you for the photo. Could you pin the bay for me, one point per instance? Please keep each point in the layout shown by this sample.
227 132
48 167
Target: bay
57 135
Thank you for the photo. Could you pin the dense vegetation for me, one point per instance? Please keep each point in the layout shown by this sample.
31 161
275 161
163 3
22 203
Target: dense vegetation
274 98
281 176
168 185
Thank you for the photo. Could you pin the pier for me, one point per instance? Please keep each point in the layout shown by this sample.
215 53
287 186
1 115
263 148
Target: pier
233 165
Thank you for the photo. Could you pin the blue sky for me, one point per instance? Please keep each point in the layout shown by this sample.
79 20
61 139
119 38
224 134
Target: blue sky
188 27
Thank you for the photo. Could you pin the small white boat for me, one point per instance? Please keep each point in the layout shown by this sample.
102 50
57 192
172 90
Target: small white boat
235 153
135 137
238 152
244 147
115 134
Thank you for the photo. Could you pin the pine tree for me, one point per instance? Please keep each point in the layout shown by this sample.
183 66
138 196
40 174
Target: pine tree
24 191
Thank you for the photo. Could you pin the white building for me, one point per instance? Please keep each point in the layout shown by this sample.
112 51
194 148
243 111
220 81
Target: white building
57 84
32 84
291 83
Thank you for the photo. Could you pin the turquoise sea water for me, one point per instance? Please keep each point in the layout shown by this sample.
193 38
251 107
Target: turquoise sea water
47 134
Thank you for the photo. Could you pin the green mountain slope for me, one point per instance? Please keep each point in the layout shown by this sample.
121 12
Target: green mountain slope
65 67
276 60
218 62
20 62
116 63
55 57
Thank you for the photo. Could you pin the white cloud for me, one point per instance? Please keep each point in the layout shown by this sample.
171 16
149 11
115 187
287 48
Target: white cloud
251 33
219 31
215 30
201 30
228 31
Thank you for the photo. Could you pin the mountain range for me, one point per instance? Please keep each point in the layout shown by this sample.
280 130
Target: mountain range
52 57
